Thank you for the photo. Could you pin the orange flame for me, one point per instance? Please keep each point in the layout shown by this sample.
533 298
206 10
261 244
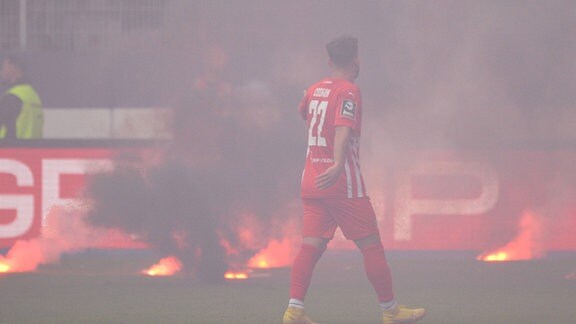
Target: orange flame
4 265
276 254
254 235
525 246
65 231
165 267
27 255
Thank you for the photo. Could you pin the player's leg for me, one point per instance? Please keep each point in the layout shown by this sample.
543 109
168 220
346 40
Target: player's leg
378 274
318 228
358 223
310 252
376 267
357 220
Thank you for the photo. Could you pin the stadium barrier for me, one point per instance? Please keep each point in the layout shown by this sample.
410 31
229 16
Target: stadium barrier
441 200
107 123
38 175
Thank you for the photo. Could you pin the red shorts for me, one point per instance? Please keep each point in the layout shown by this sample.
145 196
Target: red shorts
355 217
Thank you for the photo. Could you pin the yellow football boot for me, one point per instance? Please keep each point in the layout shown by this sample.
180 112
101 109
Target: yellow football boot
402 314
295 315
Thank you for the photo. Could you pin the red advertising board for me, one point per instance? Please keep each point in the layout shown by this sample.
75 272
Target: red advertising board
32 180
437 201
476 200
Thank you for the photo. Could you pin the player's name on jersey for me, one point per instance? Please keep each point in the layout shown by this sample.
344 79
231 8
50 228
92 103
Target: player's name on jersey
321 92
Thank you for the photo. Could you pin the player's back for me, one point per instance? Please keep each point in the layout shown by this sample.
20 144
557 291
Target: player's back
326 105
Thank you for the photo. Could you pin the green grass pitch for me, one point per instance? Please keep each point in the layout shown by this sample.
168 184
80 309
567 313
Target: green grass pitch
107 288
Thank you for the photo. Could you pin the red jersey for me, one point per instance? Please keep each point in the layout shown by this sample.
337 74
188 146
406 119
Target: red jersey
327 104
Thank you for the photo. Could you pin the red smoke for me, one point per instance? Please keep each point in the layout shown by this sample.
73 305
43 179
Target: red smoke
165 267
65 231
257 248
525 246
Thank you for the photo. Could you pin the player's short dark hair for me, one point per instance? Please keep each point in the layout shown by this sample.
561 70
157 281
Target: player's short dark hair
343 50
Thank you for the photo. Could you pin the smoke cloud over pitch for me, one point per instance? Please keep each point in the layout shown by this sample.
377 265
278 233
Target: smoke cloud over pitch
188 197
483 76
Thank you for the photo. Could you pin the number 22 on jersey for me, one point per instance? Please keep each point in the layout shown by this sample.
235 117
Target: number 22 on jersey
317 109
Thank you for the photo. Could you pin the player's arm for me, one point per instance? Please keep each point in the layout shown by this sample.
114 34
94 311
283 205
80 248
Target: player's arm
330 176
303 107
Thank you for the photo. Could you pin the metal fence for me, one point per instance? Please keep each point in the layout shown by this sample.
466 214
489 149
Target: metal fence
10 24
76 25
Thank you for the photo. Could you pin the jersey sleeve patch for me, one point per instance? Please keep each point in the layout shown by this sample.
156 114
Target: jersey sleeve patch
348 109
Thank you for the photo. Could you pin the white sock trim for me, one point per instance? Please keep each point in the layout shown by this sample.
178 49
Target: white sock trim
296 303
388 305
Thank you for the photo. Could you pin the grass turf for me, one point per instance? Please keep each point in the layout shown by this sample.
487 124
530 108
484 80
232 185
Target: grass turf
107 288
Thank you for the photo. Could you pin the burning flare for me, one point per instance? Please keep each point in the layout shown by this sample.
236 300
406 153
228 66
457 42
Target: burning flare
230 275
525 246
168 266
4 265
65 231
277 254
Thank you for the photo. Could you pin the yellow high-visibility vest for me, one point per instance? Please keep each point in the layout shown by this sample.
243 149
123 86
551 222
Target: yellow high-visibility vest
30 122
